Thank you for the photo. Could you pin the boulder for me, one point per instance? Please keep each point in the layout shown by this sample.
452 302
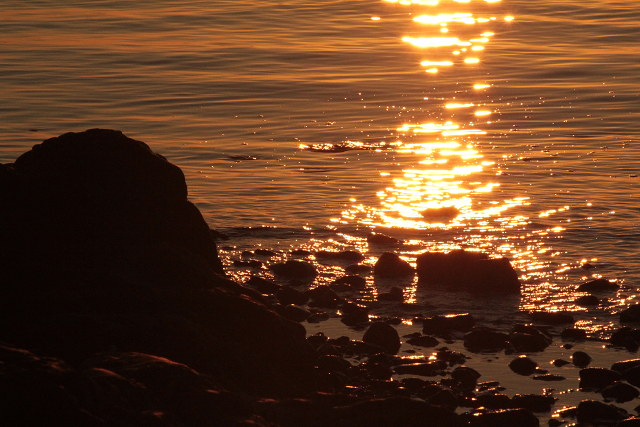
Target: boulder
390 265
471 271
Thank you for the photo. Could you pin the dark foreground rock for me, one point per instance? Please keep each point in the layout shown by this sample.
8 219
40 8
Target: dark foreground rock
471 271
102 253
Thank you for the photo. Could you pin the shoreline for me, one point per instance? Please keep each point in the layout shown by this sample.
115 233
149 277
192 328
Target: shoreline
117 310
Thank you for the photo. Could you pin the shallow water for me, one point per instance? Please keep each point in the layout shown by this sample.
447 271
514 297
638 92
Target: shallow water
317 122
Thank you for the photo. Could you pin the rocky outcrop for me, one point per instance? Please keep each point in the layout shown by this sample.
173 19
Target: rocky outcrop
470 271
101 252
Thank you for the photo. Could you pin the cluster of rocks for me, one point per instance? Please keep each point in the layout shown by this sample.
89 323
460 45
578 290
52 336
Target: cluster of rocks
116 311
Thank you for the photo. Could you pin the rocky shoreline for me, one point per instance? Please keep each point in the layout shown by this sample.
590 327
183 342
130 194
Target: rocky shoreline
116 311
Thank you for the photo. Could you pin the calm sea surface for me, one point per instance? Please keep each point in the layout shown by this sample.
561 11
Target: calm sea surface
508 126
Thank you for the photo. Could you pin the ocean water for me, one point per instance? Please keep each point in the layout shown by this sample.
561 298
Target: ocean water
511 127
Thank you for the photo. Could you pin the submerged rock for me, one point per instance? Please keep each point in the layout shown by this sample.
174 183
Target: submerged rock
472 271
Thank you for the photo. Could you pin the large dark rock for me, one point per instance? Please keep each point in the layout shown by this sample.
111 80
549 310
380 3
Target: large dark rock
89 193
100 250
471 271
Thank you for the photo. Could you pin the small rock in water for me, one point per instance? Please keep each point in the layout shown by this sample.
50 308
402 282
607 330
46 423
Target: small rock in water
295 313
343 256
263 286
382 240
394 294
581 359
632 376
384 335
523 366
294 269
621 392
598 378
287 295
507 417
356 282
626 337
485 339
265 252
533 402
391 265
587 300
549 377
467 270
561 362
467 377
631 314
573 334
423 341
552 318
623 365
597 413
443 325
357 269
597 286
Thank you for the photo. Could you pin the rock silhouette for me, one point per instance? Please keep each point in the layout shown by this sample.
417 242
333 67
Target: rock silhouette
102 253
